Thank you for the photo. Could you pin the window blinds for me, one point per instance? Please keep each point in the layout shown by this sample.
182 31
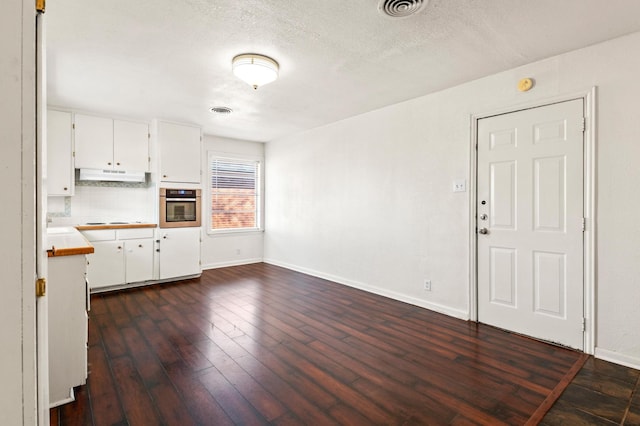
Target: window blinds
234 193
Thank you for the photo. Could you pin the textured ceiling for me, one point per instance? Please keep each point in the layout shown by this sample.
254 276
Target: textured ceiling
171 59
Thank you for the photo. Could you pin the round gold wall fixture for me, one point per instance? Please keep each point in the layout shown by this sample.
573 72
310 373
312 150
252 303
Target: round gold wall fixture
525 84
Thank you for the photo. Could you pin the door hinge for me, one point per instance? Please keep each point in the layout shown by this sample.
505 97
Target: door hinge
40 6
584 224
41 287
583 124
584 324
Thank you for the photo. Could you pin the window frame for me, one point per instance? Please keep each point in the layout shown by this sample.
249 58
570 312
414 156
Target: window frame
217 155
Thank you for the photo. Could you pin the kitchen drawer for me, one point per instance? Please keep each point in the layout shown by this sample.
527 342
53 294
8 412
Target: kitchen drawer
100 235
134 233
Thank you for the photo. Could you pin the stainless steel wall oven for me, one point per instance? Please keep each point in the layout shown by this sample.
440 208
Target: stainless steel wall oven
179 208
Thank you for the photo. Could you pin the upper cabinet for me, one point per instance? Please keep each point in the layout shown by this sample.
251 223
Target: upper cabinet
179 147
105 143
60 179
131 145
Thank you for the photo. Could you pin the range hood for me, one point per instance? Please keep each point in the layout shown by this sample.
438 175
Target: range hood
111 175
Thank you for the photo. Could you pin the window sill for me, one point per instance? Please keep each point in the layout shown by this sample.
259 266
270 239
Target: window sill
230 232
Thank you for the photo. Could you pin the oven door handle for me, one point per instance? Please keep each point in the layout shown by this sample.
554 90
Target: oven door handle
181 199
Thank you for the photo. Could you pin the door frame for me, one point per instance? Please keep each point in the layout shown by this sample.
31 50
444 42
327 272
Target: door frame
589 204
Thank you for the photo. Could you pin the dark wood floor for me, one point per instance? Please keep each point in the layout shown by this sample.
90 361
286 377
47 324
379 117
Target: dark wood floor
601 394
259 344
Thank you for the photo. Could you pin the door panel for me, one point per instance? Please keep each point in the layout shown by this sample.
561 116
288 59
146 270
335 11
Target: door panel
549 273
503 200
549 197
503 276
530 210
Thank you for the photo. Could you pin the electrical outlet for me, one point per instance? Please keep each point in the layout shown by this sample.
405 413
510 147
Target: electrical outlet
427 285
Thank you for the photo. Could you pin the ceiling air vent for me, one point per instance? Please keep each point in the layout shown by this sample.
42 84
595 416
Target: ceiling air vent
401 8
220 110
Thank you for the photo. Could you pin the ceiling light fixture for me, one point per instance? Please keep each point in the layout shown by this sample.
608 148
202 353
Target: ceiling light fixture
256 70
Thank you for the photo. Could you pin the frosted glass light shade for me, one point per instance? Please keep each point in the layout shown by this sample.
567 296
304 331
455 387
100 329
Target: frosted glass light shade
255 70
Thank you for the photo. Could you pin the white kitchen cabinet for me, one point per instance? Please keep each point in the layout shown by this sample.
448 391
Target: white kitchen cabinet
180 147
108 144
138 260
121 256
179 252
94 142
60 174
131 146
67 324
138 253
106 264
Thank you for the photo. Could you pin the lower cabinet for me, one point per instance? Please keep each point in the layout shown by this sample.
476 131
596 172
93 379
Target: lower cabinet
67 300
138 260
126 256
106 265
120 256
179 251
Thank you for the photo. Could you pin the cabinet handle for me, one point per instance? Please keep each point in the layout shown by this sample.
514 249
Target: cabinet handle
119 247
164 176
109 164
117 164
140 245
65 188
165 237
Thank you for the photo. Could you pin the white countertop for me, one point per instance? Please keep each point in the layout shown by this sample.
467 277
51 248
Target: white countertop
66 241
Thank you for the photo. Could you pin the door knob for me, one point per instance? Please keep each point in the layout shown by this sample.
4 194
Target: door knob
483 231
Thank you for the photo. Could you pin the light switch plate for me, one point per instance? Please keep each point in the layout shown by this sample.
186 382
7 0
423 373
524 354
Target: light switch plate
460 185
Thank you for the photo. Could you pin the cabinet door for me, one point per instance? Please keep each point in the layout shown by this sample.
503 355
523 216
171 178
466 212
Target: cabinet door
67 326
94 142
179 252
179 153
60 179
138 258
130 146
106 264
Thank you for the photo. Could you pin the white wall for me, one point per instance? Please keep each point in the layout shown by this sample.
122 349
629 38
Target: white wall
219 250
17 215
368 201
105 204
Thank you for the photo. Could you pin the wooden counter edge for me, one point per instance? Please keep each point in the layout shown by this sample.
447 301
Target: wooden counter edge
71 251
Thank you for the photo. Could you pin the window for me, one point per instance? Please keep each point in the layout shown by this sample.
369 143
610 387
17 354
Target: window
235 193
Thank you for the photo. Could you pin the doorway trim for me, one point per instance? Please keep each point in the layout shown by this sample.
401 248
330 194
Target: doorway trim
589 199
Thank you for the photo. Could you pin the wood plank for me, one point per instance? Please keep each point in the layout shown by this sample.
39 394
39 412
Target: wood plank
136 400
105 401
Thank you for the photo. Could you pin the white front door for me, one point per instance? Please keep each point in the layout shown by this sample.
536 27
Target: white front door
530 222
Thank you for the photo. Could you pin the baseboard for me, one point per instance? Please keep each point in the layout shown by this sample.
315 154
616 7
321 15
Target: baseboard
217 265
452 312
141 284
618 358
